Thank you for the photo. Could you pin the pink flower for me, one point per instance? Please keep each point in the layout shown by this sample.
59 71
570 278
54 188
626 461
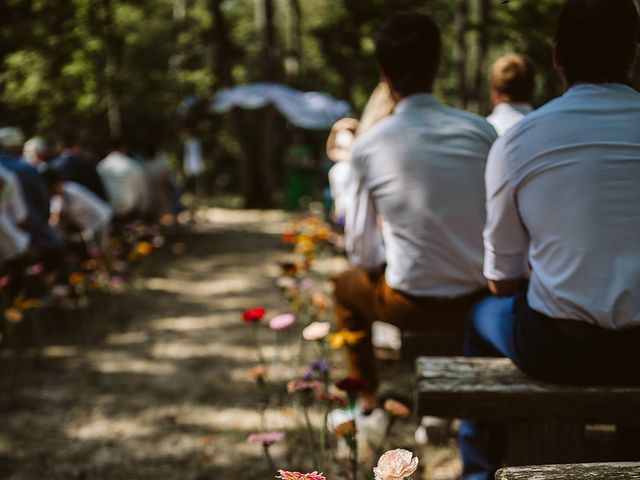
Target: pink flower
253 315
266 438
303 386
284 475
316 331
305 284
282 321
395 464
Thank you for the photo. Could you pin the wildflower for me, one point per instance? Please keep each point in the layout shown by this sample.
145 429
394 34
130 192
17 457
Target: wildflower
320 366
13 315
282 321
327 397
284 475
259 372
396 464
35 269
288 238
316 331
4 281
22 303
266 438
322 234
288 268
396 408
77 278
144 249
351 385
345 337
321 301
298 385
253 315
305 284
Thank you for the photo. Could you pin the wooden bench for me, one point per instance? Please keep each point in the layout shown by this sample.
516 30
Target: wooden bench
594 471
441 344
545 422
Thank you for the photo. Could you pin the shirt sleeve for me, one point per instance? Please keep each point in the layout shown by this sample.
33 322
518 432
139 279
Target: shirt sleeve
363 236
506 241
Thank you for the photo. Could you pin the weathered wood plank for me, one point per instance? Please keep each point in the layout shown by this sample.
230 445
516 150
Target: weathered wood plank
584 471
416 344
494 389
539 442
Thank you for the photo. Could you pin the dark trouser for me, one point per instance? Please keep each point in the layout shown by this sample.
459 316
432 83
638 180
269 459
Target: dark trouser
362 298
550 349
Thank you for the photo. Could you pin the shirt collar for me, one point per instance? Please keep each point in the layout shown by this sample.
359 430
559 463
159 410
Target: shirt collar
415 101
523 108
579 88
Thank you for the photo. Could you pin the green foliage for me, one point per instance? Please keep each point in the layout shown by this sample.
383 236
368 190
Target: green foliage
53 58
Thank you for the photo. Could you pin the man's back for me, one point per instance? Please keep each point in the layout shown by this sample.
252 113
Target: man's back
574 167
424 170
80 169
125 183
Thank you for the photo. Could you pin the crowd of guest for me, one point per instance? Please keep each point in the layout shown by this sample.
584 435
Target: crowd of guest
59 205
521 229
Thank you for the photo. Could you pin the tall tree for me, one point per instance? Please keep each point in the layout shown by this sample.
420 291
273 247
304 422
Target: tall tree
462 25
112 47
483 28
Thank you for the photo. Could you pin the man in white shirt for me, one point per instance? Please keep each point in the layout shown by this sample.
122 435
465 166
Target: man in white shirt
562 202
512 88
126 184
418 204
14 240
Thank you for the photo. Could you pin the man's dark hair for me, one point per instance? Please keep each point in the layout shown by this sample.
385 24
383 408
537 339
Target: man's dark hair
408 50
596 40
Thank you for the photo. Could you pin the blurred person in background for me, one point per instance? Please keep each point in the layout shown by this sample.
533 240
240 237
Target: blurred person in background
74 165
43 238
512 87
79 211
36 151
126 184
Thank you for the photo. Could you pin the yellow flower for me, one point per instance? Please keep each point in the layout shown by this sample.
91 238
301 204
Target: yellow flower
76 278
13 315
26 303
344 338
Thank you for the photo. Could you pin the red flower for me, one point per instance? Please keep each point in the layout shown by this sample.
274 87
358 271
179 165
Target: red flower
253 315
351 385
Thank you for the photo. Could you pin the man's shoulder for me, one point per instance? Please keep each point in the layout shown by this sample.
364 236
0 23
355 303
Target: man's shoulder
469 119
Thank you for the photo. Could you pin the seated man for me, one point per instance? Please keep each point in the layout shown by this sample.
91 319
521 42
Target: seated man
44 239
126 184
563 196
512 87
418 204
75 166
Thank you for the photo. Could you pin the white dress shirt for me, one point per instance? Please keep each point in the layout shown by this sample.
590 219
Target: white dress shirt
506 115
420 171
85 208
125 182
339 180
563 192
13 210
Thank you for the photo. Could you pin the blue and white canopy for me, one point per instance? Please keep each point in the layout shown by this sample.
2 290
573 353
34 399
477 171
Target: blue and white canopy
308 110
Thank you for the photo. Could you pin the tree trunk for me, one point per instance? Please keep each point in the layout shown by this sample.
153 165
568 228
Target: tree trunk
293 62
462 25
112 71
248 174
484 23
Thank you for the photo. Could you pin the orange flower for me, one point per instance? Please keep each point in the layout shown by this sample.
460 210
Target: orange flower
258 372
13 315
77 278
321 301
397 409
144 249
345 337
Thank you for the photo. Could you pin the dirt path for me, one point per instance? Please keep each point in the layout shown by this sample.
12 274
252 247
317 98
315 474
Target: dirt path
159 392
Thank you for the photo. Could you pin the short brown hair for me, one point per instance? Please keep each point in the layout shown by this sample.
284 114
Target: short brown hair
514 77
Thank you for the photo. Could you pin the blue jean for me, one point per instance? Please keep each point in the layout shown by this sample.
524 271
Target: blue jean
507 326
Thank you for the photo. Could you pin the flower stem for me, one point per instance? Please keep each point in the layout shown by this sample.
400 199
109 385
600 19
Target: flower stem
256 344
267 455
310 433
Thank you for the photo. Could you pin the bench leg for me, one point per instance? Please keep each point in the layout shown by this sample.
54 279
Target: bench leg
544 442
